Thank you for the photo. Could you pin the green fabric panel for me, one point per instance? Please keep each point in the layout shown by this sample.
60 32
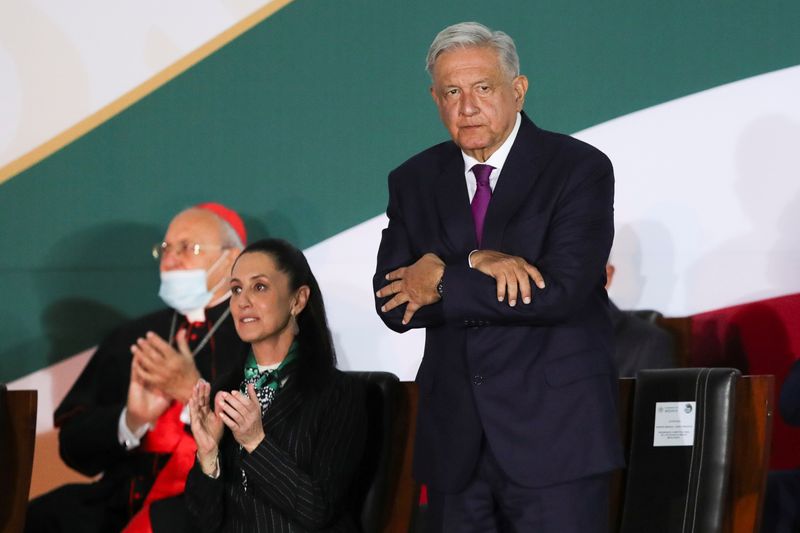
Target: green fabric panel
297 122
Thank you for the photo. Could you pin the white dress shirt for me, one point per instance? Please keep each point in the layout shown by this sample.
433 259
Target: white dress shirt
497 160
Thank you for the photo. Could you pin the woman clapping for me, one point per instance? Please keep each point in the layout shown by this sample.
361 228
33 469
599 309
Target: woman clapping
278 447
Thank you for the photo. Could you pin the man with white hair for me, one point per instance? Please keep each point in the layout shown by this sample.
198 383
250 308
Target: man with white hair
496 245
125 417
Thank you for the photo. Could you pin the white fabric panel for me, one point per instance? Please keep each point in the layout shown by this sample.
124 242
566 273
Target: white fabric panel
708 196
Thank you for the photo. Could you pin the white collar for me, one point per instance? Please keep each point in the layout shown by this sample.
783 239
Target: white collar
199 315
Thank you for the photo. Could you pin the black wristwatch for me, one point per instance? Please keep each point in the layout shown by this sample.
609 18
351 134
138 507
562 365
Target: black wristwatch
440 287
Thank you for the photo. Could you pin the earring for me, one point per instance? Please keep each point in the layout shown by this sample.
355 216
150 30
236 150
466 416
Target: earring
295 326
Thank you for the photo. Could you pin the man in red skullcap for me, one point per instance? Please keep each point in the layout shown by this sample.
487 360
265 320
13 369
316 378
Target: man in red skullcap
124 417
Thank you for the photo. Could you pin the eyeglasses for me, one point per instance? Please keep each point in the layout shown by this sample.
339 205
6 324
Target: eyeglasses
182 248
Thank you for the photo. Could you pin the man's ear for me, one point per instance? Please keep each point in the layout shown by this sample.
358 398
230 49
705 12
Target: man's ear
233 255
610 269
520 87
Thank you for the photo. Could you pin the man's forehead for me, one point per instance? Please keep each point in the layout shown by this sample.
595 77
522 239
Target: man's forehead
466 59
194 224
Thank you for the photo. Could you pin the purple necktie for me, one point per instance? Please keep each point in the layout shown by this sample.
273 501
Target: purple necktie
483 193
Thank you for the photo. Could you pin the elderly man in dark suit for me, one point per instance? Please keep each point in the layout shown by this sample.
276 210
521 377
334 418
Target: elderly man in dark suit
640 343
496 244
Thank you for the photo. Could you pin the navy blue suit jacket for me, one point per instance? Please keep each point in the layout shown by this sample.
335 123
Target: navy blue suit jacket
536 379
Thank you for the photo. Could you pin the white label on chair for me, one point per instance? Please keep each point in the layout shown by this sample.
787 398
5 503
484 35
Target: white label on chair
674 424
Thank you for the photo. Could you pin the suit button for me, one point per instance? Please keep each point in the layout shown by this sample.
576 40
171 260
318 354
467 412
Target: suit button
477 380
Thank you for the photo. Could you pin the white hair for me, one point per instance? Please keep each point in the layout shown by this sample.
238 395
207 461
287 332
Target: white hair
466 34
229 237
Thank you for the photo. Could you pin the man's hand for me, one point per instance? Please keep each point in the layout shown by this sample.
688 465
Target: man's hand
414 285
512 273
144 405
159 365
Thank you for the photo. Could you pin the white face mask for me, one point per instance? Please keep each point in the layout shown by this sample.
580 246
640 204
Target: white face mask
187 290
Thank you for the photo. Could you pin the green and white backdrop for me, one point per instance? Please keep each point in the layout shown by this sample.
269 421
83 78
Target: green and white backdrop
115 115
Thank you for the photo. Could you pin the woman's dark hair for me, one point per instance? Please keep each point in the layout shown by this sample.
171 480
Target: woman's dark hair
316 357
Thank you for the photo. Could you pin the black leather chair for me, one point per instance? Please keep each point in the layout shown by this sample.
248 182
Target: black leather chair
376 479
681 488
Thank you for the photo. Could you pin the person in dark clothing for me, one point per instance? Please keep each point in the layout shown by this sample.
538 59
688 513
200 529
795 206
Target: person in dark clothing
495 245
279 445
639 344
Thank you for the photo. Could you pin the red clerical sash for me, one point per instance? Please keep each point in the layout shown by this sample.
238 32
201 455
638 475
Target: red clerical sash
168 436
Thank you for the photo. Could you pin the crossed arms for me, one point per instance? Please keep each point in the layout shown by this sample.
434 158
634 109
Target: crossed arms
416 285
578 234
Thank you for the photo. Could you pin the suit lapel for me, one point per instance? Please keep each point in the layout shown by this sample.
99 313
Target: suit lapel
452 202
516 181
286 401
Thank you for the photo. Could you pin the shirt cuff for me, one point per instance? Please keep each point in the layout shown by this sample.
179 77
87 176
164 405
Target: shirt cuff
128 438
469 258
185 416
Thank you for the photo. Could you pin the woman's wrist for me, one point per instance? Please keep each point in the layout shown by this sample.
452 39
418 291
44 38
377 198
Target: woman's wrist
253 444
209 462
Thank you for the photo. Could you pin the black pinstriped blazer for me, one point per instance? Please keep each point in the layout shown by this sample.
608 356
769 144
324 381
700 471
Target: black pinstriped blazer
299 478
